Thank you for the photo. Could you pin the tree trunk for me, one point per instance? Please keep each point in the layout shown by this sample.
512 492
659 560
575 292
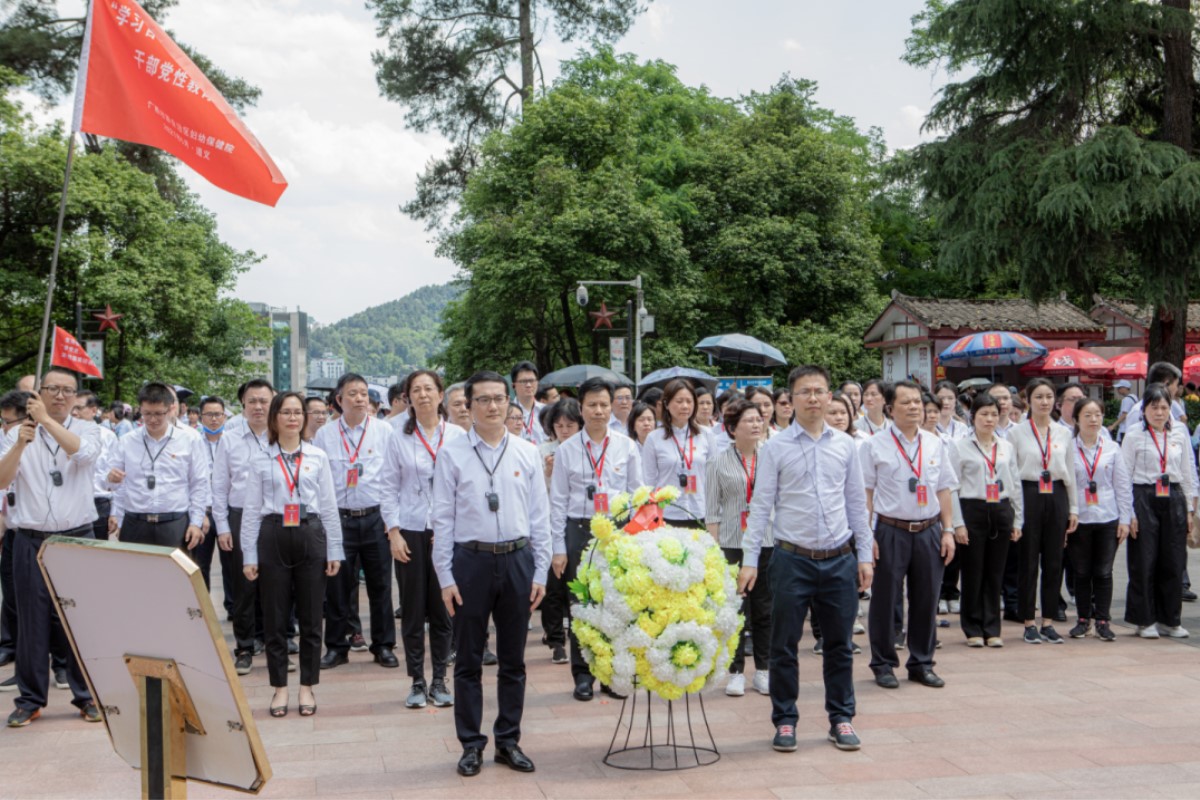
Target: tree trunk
569 328
1168 329
525 13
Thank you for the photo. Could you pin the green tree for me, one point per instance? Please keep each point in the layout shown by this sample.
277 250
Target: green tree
1065 150
464 68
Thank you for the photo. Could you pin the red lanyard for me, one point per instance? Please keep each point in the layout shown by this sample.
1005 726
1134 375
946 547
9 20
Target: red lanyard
529 425
916 468
751 475
992 463
1045 451
597 466
441 438
357 447
1090 469
292 481
1162 451
691 456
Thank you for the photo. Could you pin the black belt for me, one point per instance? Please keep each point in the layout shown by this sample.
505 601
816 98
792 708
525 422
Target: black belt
355 513
816 555
912 526
82 530
498 548
156 518
278 518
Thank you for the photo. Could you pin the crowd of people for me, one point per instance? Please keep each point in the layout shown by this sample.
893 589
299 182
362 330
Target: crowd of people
476 498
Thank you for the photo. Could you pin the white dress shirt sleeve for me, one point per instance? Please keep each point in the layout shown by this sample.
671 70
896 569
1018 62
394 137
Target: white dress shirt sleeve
220 487
1123 489
1016 495
389 502
560 497
252 513
856 509
199 490
444 479
766 488
539 525
90 446
955 458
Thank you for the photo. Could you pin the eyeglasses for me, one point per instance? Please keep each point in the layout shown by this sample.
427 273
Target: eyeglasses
213 414
59 391
807 393
526 381
156 415
318 413
494 400
291 413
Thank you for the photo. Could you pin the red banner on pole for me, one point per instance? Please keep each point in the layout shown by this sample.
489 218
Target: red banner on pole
136 84
69 354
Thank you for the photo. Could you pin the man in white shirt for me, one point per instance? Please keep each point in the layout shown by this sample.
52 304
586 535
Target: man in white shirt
525 380
397 405
50 459
621 406
1124 391
455 402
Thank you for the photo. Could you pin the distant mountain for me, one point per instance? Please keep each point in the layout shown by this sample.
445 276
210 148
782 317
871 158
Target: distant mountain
388 339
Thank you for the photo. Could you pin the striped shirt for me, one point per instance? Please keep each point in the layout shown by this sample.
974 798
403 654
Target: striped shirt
725 497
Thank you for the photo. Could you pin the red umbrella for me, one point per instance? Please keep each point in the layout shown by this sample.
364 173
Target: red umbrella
1191 369
1130 365
1069 361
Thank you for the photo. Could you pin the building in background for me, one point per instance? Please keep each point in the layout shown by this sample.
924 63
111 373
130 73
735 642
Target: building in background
285 361
327 367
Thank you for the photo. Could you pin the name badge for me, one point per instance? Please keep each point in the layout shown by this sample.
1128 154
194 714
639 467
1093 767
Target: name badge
745 520
1045 485
352 477
993 492
922 495
291 515
1162 486
600 502
1091 496
691 485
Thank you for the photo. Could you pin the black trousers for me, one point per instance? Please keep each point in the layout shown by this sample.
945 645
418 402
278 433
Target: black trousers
421 599
579 533
163 534
830 588
229 582
1156 557
364 540
496 586
39 626
1043 539
950 578
104 510
203 553
291 570
1093 548
756 608
8 597
915 557
983 559
246 606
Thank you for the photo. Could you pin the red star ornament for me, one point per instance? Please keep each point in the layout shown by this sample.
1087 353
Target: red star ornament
108 319
603 317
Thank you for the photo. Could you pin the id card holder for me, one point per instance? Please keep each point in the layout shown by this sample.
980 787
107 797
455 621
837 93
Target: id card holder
922 495
352 478
745 520
291 515
600 502
691 485
1045 485
1162 486
993 492
1091 496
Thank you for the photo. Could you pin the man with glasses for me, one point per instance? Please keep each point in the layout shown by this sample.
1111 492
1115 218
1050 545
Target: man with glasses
622 405
491 552
524 378
211 413
318 415
50 458
163 478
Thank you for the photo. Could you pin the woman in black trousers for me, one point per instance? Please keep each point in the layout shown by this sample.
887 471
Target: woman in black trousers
987 517
1164 496
291 542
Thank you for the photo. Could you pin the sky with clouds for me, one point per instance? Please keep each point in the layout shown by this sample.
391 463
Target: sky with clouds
337 242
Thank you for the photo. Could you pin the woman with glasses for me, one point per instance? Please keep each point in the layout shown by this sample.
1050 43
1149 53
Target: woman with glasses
514 419
292 539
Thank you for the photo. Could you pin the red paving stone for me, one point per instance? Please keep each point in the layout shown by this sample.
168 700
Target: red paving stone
1084 719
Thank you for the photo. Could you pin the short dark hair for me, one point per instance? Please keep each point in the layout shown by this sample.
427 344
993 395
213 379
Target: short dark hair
754 391
256 383
1154 393
212 398
273 415
638 409
651 396
807 370
522 366
621 386
566 408
483 376
351 377
727 396
1070 385
1038 383
841 397
15 400
597 385
889 391
733 413
1163 372
241 391
308 401
396 390
61 371
937 387
157 393
983 400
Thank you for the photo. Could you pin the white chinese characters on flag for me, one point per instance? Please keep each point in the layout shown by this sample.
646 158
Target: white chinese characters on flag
136 84
69 354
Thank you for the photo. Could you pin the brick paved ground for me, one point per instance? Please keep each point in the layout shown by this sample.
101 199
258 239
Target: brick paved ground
1084 719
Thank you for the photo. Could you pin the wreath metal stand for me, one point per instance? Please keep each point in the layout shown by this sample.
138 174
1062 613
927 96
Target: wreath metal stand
678 750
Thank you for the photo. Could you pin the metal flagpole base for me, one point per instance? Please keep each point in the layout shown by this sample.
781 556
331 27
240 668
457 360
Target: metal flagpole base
671 747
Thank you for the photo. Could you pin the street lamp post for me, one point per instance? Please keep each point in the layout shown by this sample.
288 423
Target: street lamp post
581 296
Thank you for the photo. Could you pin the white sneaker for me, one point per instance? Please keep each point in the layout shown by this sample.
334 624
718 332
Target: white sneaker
943 607
955 607
736 687
1148 631
1177 632
858 628
762 681
861 613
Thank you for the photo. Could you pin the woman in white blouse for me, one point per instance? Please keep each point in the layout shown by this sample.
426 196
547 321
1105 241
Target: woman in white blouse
874 418
987 517
1105 510
948 423
678 454
1164 495
292 541
1045 464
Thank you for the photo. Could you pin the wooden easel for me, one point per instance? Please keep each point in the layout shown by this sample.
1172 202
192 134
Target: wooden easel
167 716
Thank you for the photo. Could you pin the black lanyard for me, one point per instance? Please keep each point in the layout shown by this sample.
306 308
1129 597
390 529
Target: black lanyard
154 458
491 472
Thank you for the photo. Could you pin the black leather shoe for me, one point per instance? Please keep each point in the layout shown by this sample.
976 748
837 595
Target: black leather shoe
332 658
583 691
514 759
887 680
471 762
927 678
386 658
7 658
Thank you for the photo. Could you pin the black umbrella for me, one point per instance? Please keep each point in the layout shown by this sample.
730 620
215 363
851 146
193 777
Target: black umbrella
577 374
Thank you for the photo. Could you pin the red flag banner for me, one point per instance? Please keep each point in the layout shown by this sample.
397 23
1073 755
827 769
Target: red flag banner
136 84
69 354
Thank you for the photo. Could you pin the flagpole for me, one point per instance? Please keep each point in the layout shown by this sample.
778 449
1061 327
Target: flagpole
62 212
